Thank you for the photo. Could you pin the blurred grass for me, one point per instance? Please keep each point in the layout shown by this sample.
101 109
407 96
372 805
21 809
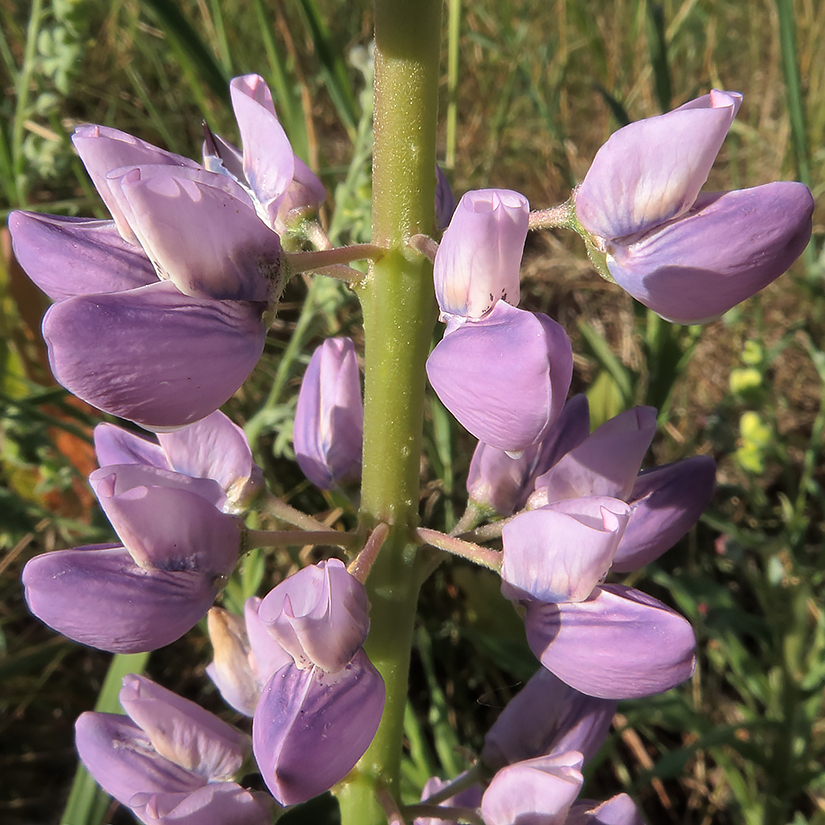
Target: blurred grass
532 91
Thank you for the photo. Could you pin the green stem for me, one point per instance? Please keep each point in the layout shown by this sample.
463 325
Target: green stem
399 315
88 803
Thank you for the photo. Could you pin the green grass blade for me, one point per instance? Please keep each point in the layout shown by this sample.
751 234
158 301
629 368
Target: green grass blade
88 803
287 102
221 40
24 79
334 69
607 358
453 30
193 50
657 41
796 106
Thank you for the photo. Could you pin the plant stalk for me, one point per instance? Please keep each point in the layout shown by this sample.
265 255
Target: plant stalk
399 315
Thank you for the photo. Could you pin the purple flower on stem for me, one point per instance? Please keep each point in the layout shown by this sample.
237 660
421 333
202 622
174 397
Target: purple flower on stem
478 260
318 713
601 640
538 791
160 312
170 761
545 717
329 417
167 503
504 377
689 257
279 183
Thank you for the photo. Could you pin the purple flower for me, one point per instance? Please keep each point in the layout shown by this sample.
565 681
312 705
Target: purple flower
594 511
559 553
160 312
545 717
478 260
170 761
318 713
329 416
168 503
618 644
618 810
245 656
537 791
502 483
689 257
504 377
279 183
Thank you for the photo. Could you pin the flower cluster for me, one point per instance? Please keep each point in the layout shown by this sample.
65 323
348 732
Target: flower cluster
172 504
159 312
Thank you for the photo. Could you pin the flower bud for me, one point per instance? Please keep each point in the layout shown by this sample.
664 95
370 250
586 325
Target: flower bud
319 615
245 656
478 260
329 416
318 713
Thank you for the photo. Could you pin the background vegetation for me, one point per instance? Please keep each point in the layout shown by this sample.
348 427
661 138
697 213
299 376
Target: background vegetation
530 92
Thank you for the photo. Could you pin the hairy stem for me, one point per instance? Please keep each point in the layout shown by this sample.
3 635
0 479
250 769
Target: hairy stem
399 314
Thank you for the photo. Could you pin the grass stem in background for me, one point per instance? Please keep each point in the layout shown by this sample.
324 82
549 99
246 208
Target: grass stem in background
88 802
453 31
